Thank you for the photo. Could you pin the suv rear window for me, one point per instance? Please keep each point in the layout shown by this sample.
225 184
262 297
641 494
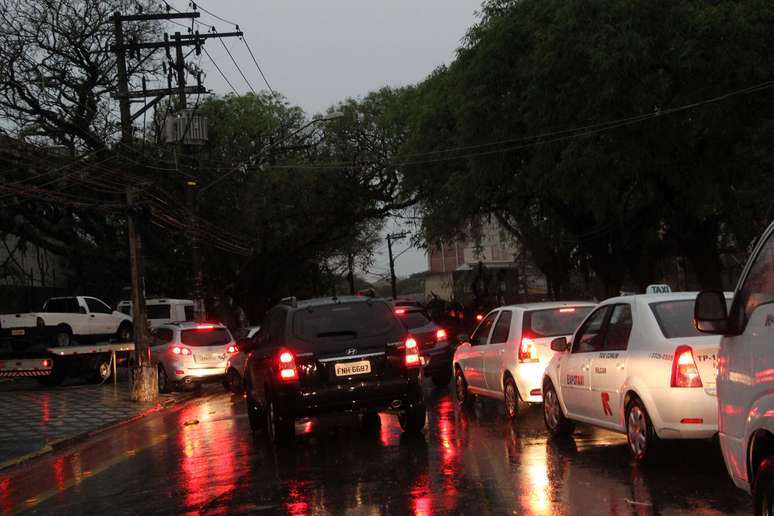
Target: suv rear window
343 321
158 311
213 337
411 320
554 322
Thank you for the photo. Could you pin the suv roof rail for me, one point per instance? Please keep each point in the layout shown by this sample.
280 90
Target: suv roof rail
290 301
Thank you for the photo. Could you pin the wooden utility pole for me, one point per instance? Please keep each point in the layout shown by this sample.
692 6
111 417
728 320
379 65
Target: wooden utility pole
144 380
390 238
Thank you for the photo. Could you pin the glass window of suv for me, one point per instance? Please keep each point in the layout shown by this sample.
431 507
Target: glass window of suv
97 307
502 329
197 337
758 287
481 333
590 335
345 321
619 328
412 319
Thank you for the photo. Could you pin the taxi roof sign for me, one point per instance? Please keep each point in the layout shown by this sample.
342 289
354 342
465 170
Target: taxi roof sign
658 289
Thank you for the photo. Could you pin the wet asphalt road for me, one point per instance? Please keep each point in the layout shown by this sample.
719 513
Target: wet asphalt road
202 459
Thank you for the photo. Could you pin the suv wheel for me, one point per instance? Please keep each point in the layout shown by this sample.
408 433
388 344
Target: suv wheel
639 431
253 412
164 383
556 423
511 398
234 382
102 372
280 429
464 397
763 489
412 420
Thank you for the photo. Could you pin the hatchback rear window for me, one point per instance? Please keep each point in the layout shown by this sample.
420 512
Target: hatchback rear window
205 337
554 322
411 320
158 311
675 318
345 321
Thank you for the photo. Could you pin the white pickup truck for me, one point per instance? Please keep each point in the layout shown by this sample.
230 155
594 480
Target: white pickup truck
68 320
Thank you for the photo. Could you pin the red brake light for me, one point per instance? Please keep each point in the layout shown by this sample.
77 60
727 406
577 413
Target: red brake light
231 349
46 363
528 351
205 327
684 370
440 334
179 350
479 317
288 371
400 311
412 352
567 310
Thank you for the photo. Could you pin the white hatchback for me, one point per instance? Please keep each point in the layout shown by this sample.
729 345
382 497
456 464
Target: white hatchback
508 351
638 366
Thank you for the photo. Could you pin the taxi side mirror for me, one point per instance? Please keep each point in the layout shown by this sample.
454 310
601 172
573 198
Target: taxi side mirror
560 344
710 314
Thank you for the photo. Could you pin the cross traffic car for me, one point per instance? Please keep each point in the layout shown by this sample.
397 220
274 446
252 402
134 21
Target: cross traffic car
636 365
508 351
329 355
434 345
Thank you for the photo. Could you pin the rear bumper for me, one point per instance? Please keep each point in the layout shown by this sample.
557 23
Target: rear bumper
196 374
529 380
296 402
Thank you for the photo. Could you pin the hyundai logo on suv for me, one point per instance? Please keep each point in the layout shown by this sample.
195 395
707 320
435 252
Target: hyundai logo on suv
350 351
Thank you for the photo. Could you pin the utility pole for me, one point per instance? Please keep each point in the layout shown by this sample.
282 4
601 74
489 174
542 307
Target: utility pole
144 376
390 238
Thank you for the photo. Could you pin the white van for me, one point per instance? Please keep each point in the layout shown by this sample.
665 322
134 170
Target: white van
162 311
745 381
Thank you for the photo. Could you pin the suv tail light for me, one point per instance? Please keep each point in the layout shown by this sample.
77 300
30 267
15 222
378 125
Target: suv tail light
528 350
684 370
440 334
287 367
231 349
412 352
180 350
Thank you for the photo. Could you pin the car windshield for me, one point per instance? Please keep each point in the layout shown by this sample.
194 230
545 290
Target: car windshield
411 320
205 337
554 322
675 318
345 321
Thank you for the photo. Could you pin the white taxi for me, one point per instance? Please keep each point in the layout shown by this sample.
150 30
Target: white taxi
636 365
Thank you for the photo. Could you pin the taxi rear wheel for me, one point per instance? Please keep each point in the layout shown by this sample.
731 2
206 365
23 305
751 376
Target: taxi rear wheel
556 423
464 397
639 431
763 489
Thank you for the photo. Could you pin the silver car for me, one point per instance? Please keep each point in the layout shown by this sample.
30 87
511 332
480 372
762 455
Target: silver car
190 353
235 365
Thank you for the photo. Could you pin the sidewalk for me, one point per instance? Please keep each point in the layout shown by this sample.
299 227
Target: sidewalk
35 420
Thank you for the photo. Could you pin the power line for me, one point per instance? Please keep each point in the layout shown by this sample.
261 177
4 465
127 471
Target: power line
237 66
220 71
258 67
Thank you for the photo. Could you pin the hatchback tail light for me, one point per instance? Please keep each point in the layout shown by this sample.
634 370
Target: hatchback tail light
412 352
528 350
231 349
288 372
180 350
684 370
440 334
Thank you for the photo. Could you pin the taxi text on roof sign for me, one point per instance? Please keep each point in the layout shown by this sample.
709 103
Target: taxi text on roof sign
658 289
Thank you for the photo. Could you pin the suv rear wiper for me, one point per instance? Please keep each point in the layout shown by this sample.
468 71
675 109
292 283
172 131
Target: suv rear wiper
338 334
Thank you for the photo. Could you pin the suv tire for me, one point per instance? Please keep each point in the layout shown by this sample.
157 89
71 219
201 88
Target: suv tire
763 489
556 424
412 420
165 385
125 332
253 411
280 429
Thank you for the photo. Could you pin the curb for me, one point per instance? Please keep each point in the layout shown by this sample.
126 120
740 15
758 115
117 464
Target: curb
65 442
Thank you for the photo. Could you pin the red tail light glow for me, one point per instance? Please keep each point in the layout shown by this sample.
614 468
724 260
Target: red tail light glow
684 370
440 334
567 310
288 372
692 420
205 326
412 352
528 351
479 317
46 363
232 349
400 311
179 350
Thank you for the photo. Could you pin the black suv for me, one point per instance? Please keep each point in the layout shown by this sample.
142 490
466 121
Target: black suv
329 355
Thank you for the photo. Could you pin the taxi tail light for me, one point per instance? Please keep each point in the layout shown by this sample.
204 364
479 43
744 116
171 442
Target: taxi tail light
440 335
288 372
412 352
180 350
684 370
528 350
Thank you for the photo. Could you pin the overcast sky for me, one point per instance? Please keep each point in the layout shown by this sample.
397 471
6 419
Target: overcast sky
317 52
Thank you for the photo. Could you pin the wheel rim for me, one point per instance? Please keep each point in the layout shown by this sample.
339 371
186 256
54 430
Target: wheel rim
162 379
550 408
125 334
462 389
510 399
62 339
104 370
637 431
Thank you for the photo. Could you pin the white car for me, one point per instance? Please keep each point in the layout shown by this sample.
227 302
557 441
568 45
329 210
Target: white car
746 373
162 311
235 366
638 366
509 349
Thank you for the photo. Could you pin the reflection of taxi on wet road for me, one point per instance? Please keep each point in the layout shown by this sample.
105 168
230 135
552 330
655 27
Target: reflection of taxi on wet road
636 365
507 353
